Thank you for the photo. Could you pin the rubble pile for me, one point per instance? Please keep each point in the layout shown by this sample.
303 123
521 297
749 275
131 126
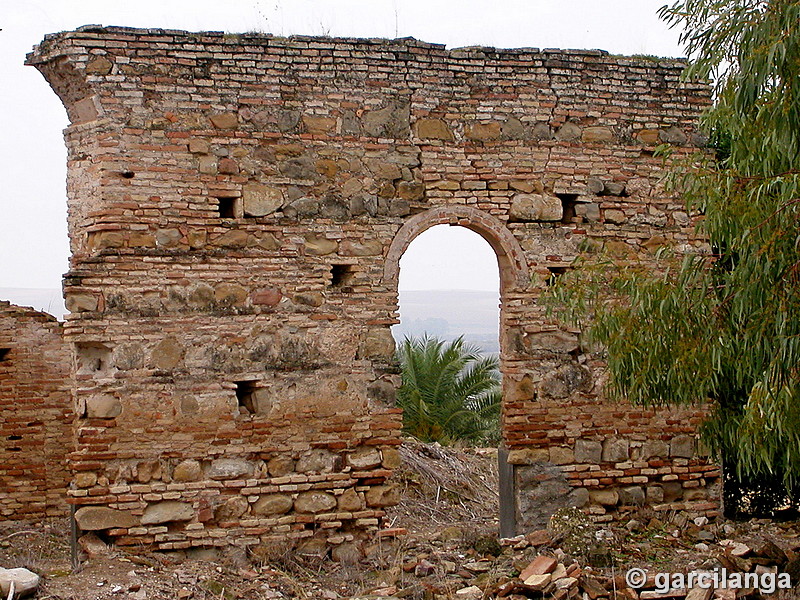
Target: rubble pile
707 561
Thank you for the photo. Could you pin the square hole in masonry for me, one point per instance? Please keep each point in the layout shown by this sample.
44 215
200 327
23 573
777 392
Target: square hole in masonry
555 273
228 207
341 275
568 202
245 395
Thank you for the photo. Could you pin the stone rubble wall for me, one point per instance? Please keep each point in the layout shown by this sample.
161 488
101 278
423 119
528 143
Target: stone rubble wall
35 415
238 205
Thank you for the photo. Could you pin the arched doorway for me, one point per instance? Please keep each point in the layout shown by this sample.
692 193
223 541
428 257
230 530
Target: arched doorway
449 288
514 277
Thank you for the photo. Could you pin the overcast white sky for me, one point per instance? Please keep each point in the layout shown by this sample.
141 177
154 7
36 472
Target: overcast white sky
33 238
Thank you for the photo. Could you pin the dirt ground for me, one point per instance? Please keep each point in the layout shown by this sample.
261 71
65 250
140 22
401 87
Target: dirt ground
441 538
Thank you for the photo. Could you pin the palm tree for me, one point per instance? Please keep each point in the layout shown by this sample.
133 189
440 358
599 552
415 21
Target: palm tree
449 391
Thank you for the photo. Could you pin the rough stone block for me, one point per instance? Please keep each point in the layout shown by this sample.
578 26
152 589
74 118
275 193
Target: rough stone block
259 200
207 165
541 131
98 66
536 207
681 446
319 125
655 494
528 456
381 496
378 344
273 504
199 146
565 381
314 299
654 449
85 480
616 450
266 297
364 459
229 468
367 248
227 166
672 135
230 293
347 553
280 466
588 452
579 497
561 456
316 461
141 240
513 129
232 509
314 502
589 211
614 216
77 303
673 491
648 137
483 132
103 406
520 391
411 190
568 132
554 341
350 501
167 512
264 240
96 518
633 495
168 238
320 246
228 120
167 354
604 497
25 582
594 135
433 129
187 470
235 238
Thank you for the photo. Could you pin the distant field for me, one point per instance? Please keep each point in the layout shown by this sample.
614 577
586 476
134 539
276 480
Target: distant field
450 313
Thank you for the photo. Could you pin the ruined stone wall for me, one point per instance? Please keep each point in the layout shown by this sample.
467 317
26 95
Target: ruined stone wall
238 207
35 429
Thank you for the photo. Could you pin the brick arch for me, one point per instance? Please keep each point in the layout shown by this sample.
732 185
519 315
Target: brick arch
510 257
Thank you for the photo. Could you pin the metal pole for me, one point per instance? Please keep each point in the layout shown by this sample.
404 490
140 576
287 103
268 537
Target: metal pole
73 539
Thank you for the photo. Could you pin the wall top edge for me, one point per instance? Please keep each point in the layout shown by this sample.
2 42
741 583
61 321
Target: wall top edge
87 33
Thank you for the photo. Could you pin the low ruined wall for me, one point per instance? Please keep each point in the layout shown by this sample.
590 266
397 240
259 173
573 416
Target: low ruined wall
609 459
35 428
238 209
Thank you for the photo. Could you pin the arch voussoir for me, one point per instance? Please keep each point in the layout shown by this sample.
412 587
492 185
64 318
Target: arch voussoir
510 257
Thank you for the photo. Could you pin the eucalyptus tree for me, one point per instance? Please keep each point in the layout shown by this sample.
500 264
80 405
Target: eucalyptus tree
723 326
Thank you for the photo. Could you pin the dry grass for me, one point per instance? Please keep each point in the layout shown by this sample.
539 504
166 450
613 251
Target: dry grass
447 487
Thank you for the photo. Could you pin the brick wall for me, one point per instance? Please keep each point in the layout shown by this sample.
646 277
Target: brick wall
238 205
35 431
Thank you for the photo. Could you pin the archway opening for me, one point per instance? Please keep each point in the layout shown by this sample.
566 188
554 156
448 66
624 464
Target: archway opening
449 286
449 294
504 274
